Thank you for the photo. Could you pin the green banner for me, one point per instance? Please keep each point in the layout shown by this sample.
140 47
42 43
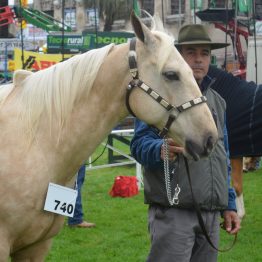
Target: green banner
244 6
136 8
85 42
196 3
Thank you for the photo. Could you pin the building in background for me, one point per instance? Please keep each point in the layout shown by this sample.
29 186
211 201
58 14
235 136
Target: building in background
92 17
113 15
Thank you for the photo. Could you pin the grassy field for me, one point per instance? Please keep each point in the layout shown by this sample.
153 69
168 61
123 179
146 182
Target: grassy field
121 224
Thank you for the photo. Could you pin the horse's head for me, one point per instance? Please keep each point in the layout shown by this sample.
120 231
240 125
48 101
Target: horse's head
166 82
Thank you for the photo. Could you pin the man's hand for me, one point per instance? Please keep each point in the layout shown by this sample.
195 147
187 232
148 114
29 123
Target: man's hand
231 222
173 149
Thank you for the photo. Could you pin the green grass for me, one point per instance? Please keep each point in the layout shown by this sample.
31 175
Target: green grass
249 243
121 224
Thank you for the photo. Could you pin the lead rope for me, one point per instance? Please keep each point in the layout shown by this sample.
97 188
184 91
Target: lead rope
200 218
175 201
172 200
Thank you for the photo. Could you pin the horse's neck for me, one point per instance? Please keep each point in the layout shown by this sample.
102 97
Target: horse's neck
105 103
106 99
98 112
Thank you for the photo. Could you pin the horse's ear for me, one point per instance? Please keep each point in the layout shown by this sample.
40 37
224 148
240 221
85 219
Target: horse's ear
20 75
158 23
141 31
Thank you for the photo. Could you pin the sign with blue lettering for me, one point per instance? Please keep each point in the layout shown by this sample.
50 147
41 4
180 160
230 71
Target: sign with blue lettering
85 42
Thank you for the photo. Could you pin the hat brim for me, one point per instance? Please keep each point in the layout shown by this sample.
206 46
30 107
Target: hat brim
212 45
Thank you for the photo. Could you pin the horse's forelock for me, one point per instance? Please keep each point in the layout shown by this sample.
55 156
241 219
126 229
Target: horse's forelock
165 48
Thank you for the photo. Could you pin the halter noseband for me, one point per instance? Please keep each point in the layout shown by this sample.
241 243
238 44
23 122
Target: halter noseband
136 82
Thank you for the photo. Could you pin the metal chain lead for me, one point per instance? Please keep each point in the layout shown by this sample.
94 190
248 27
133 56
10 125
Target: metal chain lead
172 200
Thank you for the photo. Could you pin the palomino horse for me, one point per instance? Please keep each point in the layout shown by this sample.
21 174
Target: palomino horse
53 119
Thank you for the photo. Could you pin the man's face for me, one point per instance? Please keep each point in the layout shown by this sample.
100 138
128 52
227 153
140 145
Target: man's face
198 58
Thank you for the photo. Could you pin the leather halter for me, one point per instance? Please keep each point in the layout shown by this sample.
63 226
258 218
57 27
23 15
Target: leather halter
136 82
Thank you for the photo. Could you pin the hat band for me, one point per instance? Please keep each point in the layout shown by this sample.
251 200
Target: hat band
195 38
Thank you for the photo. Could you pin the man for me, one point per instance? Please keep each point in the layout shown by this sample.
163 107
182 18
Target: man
173 225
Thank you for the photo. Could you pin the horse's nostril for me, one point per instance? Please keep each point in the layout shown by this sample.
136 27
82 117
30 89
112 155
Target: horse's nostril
193 149
196 151
209 145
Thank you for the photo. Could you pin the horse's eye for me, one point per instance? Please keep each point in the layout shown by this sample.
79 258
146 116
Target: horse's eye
171 75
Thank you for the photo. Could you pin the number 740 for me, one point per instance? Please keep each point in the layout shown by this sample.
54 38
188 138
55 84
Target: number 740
66 208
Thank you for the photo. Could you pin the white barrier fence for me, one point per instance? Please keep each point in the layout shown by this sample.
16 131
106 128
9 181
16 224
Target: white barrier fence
129 160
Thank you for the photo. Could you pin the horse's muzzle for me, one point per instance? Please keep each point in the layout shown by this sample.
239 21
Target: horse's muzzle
196 151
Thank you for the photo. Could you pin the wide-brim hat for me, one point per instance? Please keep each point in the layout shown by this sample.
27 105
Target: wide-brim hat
196 35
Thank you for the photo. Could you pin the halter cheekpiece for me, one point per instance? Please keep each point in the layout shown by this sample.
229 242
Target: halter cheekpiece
136 82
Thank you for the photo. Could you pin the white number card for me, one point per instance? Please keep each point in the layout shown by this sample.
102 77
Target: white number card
60 200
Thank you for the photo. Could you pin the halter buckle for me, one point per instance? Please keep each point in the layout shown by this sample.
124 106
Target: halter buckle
134 72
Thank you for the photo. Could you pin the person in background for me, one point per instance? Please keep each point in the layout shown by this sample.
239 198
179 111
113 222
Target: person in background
78 219
173 225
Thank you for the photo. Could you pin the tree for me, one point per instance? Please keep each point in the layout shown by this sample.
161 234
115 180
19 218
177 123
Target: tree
109 10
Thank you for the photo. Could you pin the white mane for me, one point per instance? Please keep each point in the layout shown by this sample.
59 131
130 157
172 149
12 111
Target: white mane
56 89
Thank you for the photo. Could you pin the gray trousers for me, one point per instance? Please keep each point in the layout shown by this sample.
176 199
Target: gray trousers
177 237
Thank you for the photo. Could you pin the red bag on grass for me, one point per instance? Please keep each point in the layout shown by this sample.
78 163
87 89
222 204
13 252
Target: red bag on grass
124 186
